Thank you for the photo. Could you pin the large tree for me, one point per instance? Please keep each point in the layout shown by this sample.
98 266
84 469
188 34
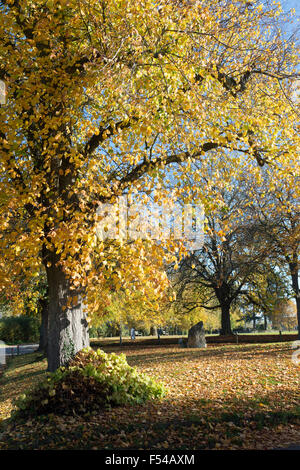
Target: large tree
102 95
218 275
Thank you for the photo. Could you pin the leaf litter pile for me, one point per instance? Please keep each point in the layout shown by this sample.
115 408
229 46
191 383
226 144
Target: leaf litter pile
224 397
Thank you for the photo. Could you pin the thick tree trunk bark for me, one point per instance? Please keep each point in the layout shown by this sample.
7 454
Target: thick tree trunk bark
225 320
295 284
43 343
67 325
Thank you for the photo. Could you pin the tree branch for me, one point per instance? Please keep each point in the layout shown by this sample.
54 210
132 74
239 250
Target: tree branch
104 132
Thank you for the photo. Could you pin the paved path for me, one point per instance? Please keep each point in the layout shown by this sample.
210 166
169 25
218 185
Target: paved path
21 349
14 350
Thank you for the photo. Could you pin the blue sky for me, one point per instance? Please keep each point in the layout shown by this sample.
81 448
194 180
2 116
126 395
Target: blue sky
287 4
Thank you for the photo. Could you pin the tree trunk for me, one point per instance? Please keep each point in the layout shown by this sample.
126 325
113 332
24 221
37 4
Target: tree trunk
153 331
295 283
120 334
43 343
298 313
67 324
225 320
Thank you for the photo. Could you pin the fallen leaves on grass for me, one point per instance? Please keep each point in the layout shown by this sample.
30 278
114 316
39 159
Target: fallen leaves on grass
224 397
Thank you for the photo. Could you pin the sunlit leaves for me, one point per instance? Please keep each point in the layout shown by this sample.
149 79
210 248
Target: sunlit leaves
113 97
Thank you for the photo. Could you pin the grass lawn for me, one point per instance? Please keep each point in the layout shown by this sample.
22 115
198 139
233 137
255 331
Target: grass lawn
224 397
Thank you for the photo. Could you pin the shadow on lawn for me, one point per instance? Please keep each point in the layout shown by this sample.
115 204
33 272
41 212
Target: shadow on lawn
184 424
196 425
164 356
236 414
20 369
27 375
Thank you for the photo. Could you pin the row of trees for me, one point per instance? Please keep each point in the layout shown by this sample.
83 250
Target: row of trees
242 272
250 253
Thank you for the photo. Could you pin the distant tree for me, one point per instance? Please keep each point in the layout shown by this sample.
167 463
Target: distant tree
133 298
268 286
284 315
29 297
276 219
184 309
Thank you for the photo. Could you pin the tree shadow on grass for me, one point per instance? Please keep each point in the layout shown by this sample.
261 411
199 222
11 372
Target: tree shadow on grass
198 424
20 376
28 375
204 416
183 424
166 355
